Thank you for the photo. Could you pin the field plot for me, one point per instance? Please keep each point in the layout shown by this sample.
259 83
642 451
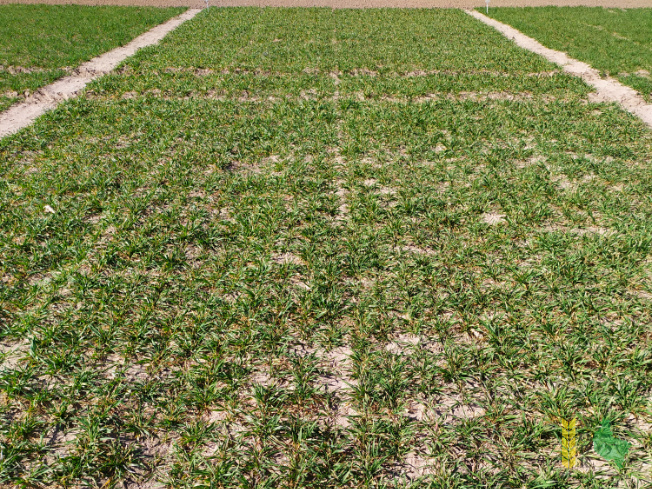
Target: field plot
40 43
617 42
316 248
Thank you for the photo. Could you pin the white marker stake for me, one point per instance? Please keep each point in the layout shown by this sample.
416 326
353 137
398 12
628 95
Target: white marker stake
487 2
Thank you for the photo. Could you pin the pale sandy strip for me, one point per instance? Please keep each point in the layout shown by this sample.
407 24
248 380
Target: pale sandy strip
607 88
25 113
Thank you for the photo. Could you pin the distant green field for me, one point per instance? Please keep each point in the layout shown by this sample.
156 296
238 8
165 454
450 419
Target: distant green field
39 42
615 41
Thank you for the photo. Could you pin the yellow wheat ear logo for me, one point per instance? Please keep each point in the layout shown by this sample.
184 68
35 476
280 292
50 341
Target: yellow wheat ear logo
568 443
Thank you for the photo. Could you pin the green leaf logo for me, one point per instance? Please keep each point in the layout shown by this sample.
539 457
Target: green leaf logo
608 447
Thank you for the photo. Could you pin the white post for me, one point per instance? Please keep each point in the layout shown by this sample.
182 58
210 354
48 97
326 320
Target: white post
486 1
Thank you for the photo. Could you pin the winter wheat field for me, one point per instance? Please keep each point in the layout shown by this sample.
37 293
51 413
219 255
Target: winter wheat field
322 248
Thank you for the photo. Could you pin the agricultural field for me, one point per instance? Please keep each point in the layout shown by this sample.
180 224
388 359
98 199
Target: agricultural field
326 248
617 42
40 43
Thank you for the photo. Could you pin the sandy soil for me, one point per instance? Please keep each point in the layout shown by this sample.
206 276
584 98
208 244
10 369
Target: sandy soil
352 3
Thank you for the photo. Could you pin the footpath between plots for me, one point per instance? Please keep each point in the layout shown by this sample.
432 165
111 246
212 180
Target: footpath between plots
25 113
608 89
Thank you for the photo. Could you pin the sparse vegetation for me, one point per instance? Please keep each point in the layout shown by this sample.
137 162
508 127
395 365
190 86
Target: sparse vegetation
326 248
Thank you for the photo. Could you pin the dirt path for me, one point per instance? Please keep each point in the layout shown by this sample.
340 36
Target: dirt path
353 3
23 114
608 89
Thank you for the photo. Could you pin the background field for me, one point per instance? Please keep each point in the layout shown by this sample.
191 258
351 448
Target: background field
317 248
40 43
615 41
348 3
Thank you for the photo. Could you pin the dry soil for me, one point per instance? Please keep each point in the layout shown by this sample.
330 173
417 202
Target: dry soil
352 3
